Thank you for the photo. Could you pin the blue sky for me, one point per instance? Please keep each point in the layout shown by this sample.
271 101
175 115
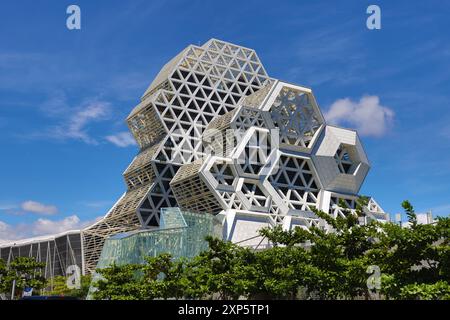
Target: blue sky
64 94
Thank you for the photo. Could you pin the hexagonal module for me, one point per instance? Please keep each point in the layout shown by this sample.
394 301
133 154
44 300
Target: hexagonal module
340 160
294 111
280 182
296 182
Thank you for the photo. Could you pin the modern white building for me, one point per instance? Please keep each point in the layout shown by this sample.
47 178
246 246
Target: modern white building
218 136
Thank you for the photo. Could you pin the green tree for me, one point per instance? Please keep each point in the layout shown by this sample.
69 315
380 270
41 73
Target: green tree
120 283
416 256
3 273
439 290
221 272
163 277
332 264
25 272
328 261
60 288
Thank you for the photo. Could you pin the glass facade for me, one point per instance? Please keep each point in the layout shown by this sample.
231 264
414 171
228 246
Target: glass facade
181 233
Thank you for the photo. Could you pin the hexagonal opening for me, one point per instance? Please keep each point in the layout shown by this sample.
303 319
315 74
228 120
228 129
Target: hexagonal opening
346 159
297 117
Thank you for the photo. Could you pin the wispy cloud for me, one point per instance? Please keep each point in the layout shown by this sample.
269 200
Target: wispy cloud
15 66
122 139
367 115
76 122
76 127
328 54
38 208
31 72
6 205
96 204
445 132
56 105
28 207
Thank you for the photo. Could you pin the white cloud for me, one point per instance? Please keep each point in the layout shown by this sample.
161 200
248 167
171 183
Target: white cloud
7 206
41 227
122 139
367 115
96 204
6 232
39 208
75 128
46 226
75 122
56 105
445 132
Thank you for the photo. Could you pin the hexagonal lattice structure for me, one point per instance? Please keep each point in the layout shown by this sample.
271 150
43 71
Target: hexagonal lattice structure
218 136
198 85
296 182
280 182
340 160
294 111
